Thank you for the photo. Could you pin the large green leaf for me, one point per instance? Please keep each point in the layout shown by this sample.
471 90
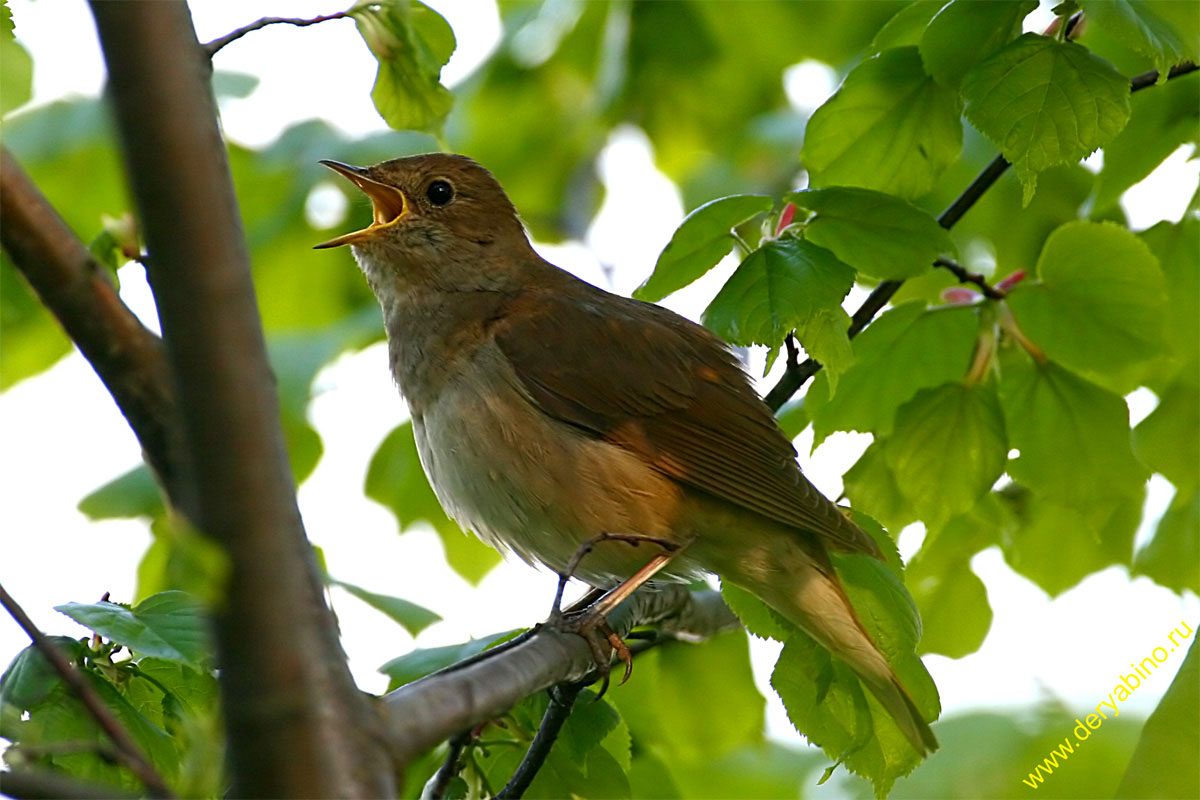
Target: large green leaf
1099 303
424 660
1161 121
1168 440
964 33
1164 31
396 480
412 43
877 234
1172 557
169 625
906 26
30 677
1178 250
906 349
1056 545
946 449
889 127
700 241
777 288
1073 436
1045 102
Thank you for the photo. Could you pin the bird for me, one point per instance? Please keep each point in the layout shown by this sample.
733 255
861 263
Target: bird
551 415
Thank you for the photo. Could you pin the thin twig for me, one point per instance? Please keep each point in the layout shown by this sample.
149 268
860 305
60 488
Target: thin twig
450 768
966 276
562 700
212 47
127 749
796 375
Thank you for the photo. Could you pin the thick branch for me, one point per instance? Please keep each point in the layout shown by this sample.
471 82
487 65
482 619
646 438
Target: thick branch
296 724
126 749
129 359
796 375
423 713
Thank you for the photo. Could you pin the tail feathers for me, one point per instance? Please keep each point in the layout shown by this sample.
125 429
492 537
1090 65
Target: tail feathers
899 705
816 602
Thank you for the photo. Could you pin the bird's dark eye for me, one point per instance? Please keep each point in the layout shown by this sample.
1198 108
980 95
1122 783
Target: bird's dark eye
440 192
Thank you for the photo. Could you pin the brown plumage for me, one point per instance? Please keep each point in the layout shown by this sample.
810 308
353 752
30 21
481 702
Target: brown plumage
548 411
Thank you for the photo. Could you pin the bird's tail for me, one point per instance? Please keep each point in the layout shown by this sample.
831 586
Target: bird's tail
814 600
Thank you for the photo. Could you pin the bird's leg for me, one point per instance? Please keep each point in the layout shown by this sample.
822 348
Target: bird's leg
591 623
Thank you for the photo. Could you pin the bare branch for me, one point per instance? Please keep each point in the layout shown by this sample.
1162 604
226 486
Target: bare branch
127 749
424 712
212 47
796 375
297 725
44 784
129 359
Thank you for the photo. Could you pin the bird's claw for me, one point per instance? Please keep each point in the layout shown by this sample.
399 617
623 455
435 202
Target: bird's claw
595 630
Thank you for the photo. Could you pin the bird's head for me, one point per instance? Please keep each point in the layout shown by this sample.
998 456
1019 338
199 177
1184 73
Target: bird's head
439 220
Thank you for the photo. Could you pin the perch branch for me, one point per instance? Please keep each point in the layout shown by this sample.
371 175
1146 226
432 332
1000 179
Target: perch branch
425 712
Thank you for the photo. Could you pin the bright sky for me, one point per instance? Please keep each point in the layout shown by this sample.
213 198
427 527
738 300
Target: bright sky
1070 649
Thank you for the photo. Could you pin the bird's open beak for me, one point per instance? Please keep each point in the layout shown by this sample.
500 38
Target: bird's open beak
390 204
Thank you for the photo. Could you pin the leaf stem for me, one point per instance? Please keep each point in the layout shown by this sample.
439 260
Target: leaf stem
211 48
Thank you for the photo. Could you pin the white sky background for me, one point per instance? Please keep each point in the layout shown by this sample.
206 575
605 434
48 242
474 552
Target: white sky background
1072 649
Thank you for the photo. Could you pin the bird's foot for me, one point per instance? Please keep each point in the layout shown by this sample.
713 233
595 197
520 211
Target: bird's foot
591 624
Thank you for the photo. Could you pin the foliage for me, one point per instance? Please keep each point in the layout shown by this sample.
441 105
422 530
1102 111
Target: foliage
998 421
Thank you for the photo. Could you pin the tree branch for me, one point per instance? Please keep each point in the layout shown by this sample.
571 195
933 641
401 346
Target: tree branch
796 375
424 712
296 724
212 47
44 784
129 359
127 749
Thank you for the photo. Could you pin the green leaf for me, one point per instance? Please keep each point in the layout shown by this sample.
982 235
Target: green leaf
877 234
776 289
1056 545
1178 250
964 33
182 558
30 677
1073 436
412 617
825 336
1159 767
424 660
1172 557
169 625
872 488
758 617
1161 121
889 127
396 480
700 241
15 64
906 349
134 494
1152 29
412 43
1100 300
946 449
906 26
1168 440
1045 102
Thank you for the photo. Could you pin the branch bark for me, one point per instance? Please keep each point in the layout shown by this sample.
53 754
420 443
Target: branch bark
129 359
297 725
425 712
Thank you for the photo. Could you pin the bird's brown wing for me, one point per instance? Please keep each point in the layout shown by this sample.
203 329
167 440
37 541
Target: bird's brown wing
667 389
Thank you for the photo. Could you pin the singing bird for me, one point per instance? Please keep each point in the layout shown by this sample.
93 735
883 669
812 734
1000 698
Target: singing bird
548 413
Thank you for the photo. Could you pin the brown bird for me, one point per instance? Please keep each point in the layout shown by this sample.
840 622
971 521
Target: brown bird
549 413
